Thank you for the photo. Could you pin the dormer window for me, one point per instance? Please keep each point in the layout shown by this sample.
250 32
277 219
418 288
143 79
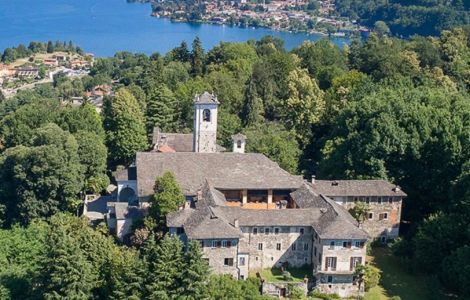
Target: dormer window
206 115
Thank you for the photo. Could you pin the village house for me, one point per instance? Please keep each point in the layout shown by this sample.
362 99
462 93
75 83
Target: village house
248 213
383 199
27 72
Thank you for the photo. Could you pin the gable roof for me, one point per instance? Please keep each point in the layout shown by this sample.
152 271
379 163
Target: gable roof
224 170
206 98
338 188
212 220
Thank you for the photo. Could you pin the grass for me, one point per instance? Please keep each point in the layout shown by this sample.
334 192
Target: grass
395 280
275 274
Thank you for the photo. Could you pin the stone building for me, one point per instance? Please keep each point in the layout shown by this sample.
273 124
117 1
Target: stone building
383 198
248 213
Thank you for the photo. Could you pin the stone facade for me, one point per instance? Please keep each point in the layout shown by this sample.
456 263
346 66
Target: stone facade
383 218
277 246
335 262
205 127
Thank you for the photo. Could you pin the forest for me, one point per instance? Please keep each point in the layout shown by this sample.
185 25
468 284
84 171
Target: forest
380 108
405 17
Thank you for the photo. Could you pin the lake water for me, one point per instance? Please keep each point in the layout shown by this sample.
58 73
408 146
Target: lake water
107 26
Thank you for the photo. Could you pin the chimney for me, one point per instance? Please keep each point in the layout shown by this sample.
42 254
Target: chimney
235 223
313 179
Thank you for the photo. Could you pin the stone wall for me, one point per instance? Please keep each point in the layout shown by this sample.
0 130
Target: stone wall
272 256
217 256
376 228
341 279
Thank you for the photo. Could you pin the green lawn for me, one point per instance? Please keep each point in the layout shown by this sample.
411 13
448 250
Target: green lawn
395 281
275 274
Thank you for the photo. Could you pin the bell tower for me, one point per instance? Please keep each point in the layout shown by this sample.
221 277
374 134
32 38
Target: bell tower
205 123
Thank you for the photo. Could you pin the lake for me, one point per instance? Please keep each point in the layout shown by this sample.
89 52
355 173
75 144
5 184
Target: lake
104 27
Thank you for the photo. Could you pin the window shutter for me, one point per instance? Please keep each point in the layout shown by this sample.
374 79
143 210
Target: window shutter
326 263
334 264
351 264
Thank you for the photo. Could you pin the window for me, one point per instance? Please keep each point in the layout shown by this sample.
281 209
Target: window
367 199
276 231
216 244
330 279
332 245
179 230
347 244
226 244
241 261
379 200
301 230
294 247
305 246
206 115
330 264
383 216
370 216
354 261
255 230
239 144
390 200
319 258
228 261
266 231
260 246
356 199
359 244
278 246
315 251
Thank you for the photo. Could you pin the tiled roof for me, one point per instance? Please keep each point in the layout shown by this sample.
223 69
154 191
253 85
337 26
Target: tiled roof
211 220
224 171
126 174
333 188
206 98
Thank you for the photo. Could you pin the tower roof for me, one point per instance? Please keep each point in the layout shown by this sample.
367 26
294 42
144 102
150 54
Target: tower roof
206 98
238 136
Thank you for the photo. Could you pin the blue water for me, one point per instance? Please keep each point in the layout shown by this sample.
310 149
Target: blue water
107 26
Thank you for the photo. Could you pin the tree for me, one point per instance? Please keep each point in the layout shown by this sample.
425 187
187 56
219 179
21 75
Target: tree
369 275
167 198
181 53
165 263
161 109
359 211
125 128
197 57
50 47
381 28
124 273
253 109
305 104
277 143
196 273
42 179
66 272
92 155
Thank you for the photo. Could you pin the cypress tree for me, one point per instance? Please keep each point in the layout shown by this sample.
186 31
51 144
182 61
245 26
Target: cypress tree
161 109
253 108
197 57
126 129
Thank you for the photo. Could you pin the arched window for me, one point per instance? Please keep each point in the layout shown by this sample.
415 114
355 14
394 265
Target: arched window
128 195
239 144
206 115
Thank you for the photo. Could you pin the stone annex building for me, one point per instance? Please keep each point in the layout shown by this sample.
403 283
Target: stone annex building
249 214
